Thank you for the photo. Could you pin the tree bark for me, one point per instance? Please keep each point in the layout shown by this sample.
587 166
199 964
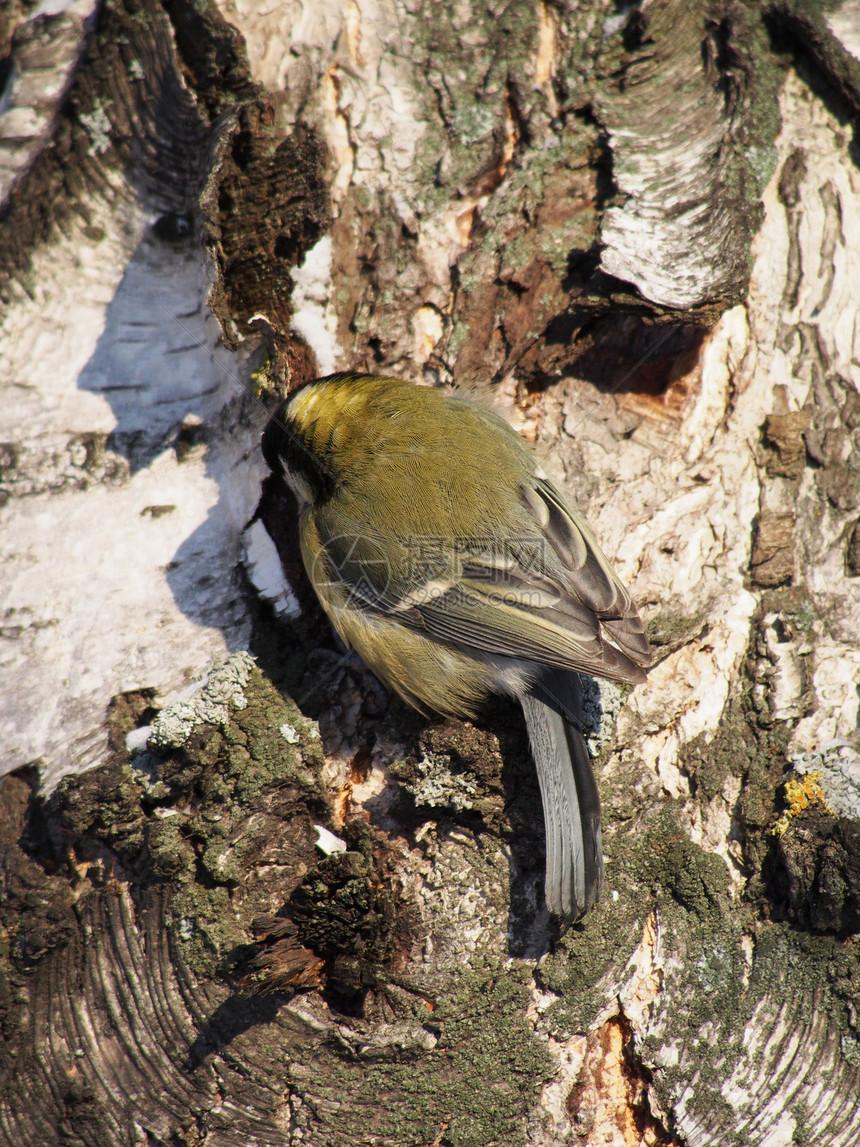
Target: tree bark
638 233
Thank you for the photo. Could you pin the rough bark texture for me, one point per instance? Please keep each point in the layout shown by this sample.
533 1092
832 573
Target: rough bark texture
639 233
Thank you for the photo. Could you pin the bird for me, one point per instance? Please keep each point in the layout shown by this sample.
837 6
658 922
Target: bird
446 557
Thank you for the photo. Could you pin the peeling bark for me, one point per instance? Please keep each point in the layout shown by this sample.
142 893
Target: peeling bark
638 232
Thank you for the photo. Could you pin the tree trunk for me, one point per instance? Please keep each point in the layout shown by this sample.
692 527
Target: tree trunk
638 231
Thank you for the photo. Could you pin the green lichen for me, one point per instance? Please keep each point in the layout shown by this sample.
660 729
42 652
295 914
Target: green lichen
209 704
106 804
714 985
696 879
587 953
669 631
204 926
97 124
653 867
194 809
439 787
710 761
473 1089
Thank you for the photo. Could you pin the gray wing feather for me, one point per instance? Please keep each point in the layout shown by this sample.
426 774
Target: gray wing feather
472 618
590 580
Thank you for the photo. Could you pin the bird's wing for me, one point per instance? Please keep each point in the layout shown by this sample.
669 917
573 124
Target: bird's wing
577 561
546 595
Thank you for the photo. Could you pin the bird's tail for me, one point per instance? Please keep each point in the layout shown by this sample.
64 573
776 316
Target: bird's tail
571 802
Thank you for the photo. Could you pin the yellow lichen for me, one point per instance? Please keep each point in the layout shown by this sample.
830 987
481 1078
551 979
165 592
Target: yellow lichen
263 379
800 793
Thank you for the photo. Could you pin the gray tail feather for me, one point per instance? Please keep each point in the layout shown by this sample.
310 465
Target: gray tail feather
571 802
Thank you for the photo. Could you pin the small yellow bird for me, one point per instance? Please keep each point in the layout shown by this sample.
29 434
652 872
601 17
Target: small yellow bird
446 558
